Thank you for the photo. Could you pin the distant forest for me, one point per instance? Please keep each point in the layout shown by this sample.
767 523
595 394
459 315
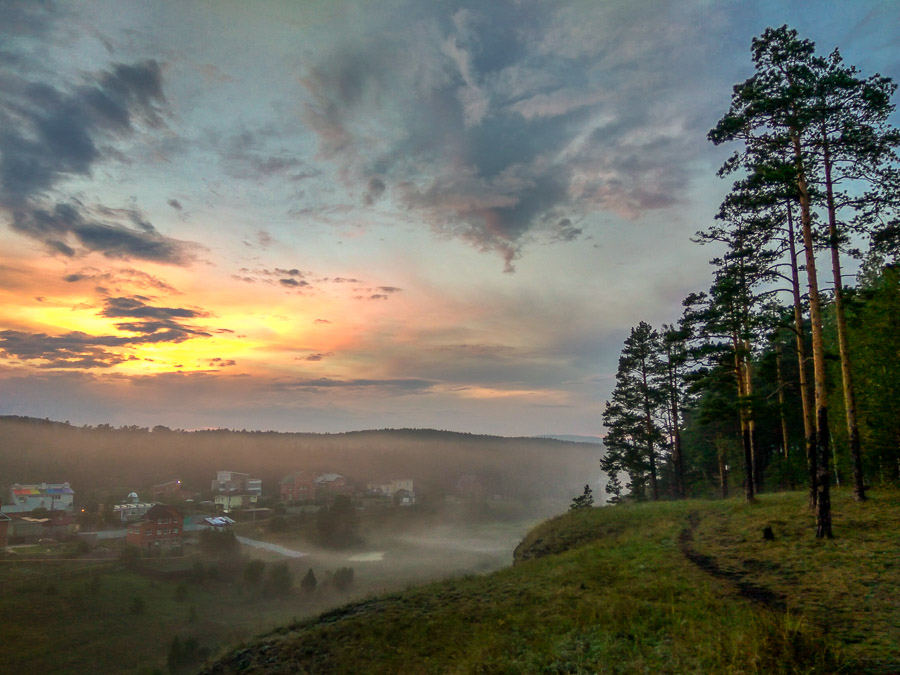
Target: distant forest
782 374
103 461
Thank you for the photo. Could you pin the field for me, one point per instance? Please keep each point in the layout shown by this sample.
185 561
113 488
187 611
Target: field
688 587
97 616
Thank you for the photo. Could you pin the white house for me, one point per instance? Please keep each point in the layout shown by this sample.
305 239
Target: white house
401 488
50 496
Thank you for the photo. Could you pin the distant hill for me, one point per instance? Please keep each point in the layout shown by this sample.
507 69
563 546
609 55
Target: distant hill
574 439
106 461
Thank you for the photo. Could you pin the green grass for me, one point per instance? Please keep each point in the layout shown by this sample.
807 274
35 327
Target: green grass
609 591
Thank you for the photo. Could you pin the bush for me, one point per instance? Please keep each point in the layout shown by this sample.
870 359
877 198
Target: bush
253 572
278 581
343 578
309 582
138 606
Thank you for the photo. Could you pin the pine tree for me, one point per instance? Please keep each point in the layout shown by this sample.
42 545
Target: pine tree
583 501
771 114
635 437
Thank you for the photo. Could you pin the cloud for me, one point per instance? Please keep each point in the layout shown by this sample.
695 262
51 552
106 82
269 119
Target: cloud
407 385
77 349
49 133
315 357
497 124
135 308
249 154
374 191
292 283
121 278
175 204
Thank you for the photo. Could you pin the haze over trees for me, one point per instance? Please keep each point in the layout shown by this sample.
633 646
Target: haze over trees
786 378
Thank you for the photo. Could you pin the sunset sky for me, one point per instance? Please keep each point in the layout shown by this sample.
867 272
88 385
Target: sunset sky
328 216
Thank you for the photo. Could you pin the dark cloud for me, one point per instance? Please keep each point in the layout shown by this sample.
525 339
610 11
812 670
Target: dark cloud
219 362
498 123
121 279
134 307
321 321
175 204
389 289
76 349
566 231
48 134
249 154
315 357
374 191
292 283
410 385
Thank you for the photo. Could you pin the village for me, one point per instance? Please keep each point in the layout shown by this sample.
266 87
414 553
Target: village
156 519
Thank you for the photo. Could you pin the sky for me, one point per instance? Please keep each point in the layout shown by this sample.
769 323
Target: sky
331 216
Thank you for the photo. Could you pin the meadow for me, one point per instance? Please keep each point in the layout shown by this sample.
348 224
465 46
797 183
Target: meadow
679 587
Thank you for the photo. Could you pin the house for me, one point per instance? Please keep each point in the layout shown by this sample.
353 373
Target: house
401 490
297 487
235 481
50 496
235 501
332 484
162 527
132 510
471 487
216 522
170 490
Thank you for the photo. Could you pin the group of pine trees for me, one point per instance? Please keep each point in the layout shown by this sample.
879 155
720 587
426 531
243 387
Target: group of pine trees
775 377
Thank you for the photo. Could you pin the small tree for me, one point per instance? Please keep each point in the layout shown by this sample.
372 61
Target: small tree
278 581
309 583
583 501
253 572
343 578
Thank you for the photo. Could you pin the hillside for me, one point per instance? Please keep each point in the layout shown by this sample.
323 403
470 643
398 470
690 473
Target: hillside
666 587
105 461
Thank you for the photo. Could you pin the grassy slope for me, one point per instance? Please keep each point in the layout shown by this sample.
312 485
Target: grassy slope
611 591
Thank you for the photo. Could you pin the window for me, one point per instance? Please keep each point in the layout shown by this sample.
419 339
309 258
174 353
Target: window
175 531
159 532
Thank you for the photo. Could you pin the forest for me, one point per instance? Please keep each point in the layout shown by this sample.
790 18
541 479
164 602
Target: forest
785 372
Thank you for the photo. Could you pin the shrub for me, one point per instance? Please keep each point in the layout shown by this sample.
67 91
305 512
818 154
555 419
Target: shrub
343 578
309 582
253 572
278 581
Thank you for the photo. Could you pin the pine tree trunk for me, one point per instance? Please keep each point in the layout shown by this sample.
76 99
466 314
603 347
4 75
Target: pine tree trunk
677 455
723 469
782 413
751 423
809 429
859 490
746 437
823 480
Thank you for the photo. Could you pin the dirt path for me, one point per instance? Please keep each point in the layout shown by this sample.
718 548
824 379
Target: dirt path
759 594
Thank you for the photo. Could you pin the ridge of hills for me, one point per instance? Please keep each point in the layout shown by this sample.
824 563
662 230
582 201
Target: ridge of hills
105 460
677 587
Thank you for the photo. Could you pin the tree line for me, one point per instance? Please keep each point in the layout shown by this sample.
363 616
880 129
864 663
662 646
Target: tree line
775 377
